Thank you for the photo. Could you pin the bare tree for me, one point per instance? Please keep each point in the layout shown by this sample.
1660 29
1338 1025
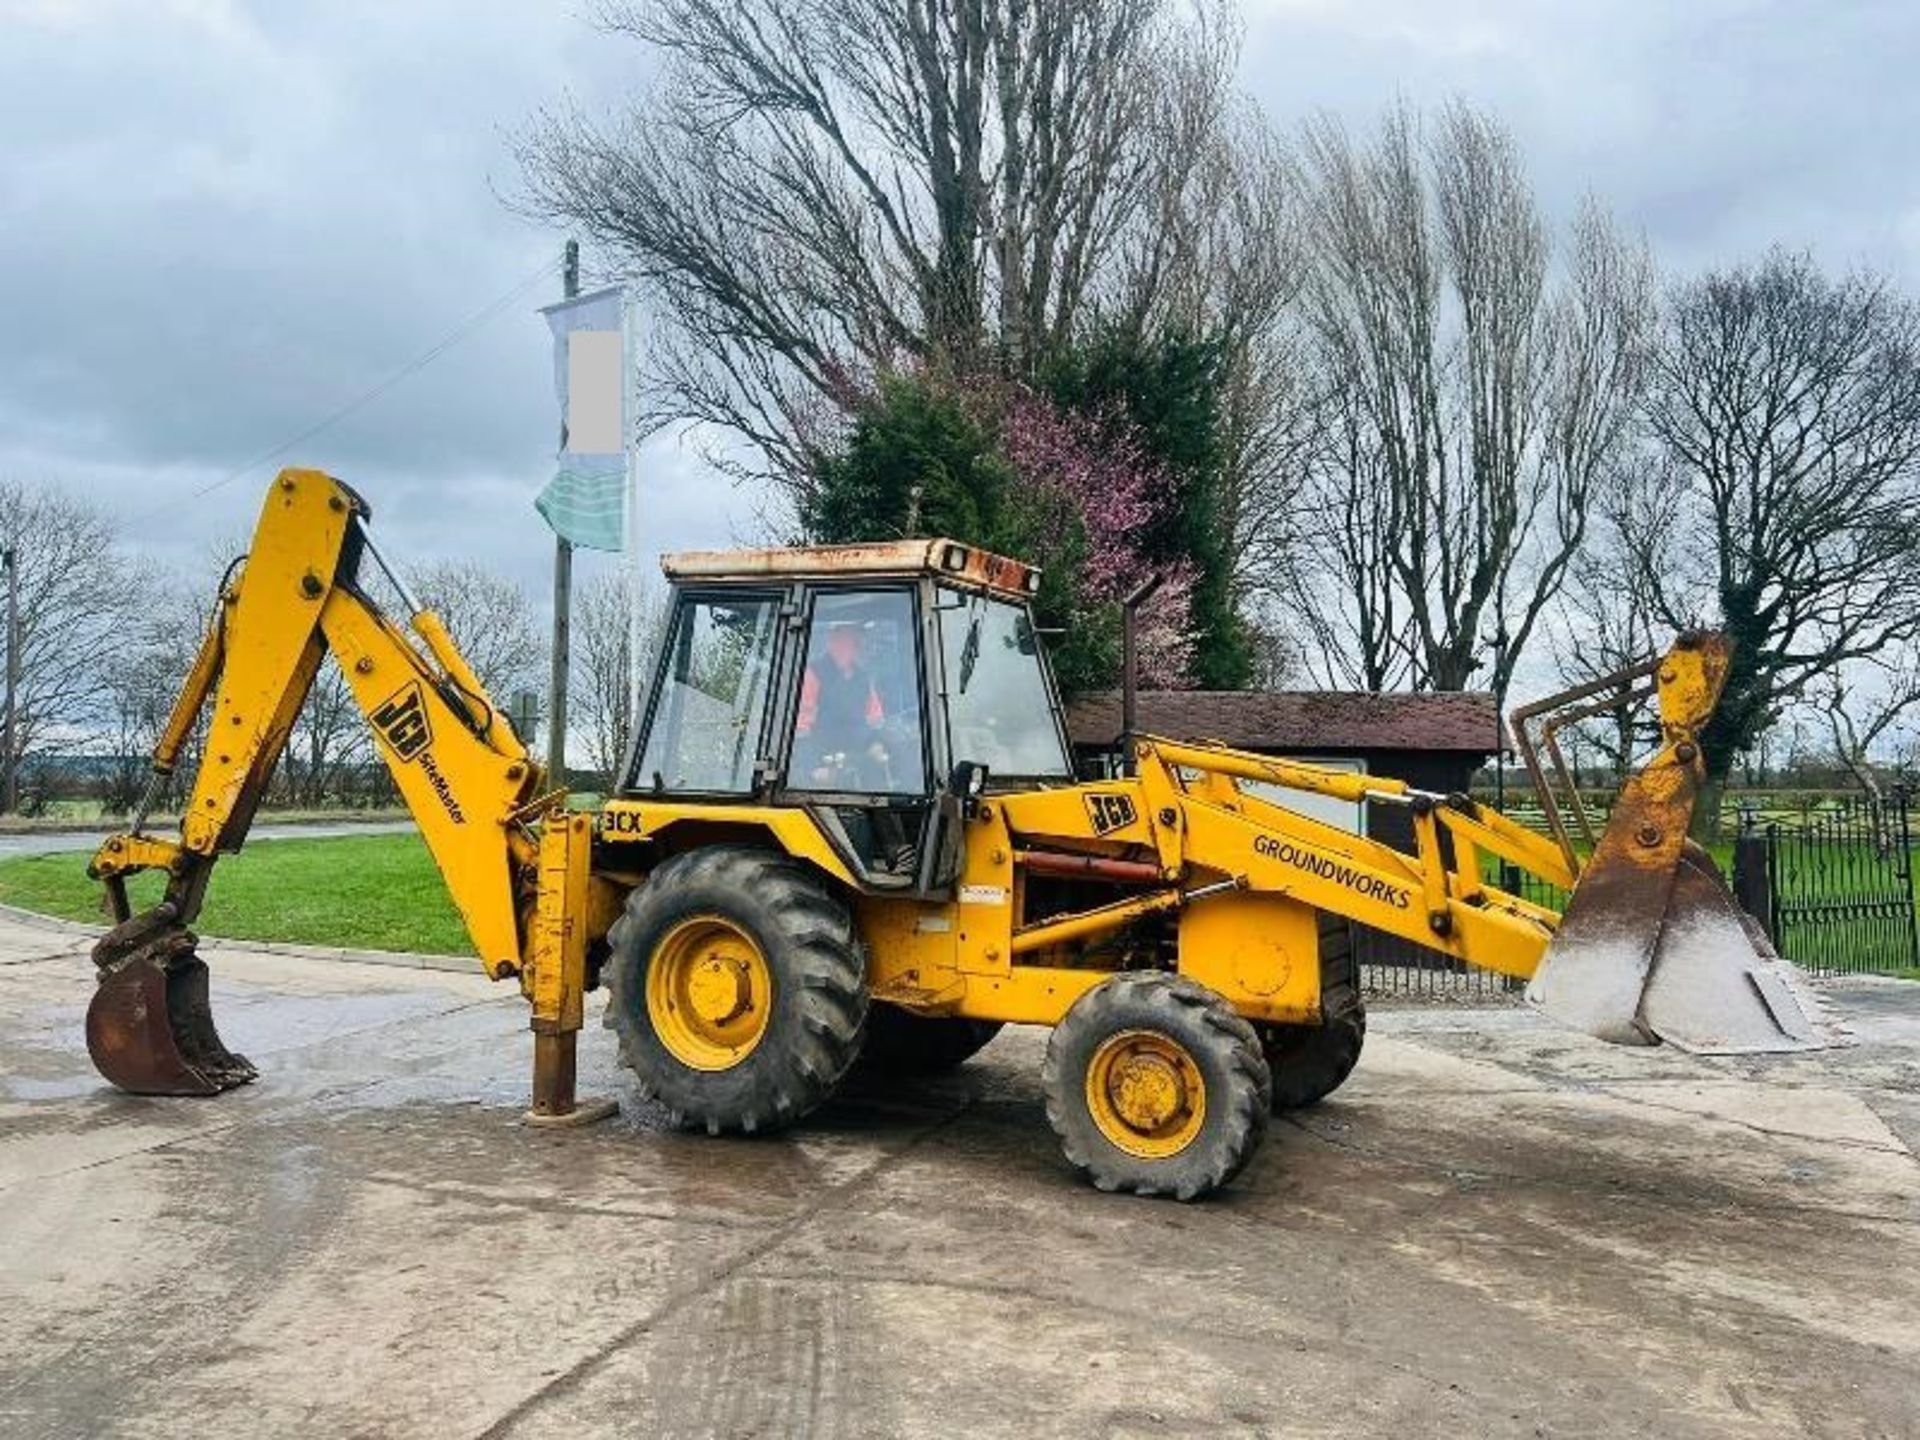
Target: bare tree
329 752
1223 260
1865 705
1482 400
328 746
141 680
490 619
1602 622
817 191
1340 575
1786 405
603 663
78 603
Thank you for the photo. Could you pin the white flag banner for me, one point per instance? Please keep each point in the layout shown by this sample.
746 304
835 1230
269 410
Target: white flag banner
586 501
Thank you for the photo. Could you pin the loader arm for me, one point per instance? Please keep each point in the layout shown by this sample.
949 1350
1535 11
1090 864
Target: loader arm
466 778
1435 897
1650 948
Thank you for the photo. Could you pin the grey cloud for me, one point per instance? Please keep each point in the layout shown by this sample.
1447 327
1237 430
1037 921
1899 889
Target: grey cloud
221 221
1717 126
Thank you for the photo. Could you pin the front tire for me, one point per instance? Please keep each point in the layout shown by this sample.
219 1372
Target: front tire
737 987
1155 1086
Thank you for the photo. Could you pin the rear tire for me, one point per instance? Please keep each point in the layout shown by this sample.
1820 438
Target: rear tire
902 1043
779 1035
1154 1085
1310 1062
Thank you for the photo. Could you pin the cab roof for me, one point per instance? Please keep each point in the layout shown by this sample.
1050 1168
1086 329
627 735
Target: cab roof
946 559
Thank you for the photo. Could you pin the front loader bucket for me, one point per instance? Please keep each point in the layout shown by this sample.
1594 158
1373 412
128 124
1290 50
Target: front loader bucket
1648 955
150 1026
1652 946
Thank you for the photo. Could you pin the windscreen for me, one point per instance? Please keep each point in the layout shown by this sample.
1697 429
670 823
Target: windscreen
999 707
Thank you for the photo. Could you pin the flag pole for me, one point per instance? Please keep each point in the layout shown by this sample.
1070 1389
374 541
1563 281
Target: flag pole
630 348
562 593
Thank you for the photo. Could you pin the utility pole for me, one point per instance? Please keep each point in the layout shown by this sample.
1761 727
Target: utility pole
562 593
10 562
1500 717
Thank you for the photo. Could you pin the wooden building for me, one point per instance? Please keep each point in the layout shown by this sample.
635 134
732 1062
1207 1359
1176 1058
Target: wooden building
1434 741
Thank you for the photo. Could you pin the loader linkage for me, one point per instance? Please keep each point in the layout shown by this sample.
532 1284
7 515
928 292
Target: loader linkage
1652 946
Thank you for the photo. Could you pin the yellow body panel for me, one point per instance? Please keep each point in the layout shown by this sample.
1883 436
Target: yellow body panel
1260 951
677 825
913 953
988 897
1110 812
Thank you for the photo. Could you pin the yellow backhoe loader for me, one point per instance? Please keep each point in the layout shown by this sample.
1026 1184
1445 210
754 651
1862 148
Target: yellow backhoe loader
849 830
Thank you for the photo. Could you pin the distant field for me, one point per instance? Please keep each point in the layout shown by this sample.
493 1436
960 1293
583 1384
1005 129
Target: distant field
370 892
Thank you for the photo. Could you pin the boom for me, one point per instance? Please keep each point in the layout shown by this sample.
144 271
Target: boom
469 782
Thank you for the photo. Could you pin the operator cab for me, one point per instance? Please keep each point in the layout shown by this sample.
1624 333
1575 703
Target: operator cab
877 686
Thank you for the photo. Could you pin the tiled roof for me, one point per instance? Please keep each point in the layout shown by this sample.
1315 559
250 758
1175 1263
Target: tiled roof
1301 721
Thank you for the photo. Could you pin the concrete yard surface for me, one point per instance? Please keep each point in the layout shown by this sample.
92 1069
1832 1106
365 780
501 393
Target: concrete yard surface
1495 1229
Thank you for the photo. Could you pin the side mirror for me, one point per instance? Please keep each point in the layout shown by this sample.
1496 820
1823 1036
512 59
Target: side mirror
968 783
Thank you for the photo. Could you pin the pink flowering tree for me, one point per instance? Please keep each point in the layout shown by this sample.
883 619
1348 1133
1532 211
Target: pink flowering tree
997 464
1087 494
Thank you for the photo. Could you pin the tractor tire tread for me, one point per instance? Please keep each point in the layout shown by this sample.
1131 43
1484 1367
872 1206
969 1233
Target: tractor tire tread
807 938
1203 1022
1310 1062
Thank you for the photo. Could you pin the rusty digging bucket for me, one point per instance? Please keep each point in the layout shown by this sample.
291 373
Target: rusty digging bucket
150 1026
1652 950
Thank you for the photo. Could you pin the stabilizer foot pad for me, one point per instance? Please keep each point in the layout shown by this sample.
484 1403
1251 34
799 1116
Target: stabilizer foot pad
586 1112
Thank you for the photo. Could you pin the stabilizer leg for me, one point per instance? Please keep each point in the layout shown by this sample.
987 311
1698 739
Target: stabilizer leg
557 973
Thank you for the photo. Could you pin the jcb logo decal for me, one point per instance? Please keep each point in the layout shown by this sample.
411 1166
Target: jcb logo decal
1110 812
402 722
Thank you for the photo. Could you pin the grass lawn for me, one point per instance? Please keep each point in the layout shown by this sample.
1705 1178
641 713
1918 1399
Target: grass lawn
370 892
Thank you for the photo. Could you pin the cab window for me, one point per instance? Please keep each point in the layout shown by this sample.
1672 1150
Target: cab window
857 727
999 708
712 696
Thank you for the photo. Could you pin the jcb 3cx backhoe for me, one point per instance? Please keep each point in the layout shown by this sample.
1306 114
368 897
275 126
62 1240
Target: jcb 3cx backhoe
849 827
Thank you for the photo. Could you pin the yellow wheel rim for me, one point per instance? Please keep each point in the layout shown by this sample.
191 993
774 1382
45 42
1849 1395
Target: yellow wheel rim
709 993
1146 1093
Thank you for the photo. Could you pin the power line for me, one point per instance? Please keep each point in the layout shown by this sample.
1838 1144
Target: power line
440 347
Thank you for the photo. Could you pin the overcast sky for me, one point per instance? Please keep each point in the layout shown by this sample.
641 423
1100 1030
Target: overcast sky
221 221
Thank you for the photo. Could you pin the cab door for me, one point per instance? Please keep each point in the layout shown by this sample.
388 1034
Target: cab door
856 752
